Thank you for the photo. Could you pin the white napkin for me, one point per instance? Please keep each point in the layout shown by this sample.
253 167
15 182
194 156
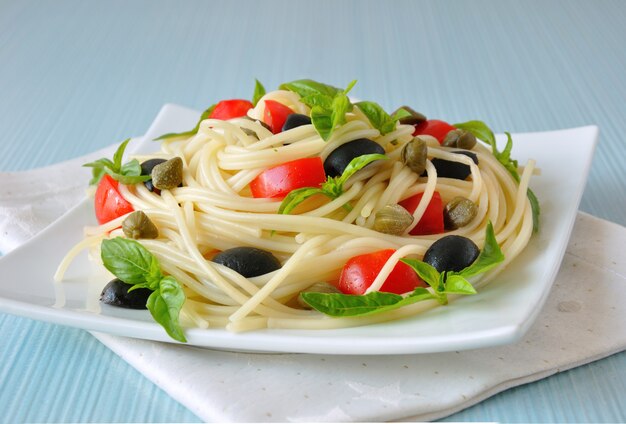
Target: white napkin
583 320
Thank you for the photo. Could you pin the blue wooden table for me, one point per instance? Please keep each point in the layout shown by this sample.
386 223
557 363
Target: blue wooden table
76 76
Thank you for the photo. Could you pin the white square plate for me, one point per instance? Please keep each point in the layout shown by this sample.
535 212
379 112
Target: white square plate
501 312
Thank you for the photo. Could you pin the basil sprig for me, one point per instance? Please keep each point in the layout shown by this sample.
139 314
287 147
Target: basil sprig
133 264
332 188
192 131
482 132
380 119
128 173
442 284
259 91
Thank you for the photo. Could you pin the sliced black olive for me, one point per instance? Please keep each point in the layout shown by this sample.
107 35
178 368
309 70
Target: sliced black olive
338 160
450 169
296 120
116 294
146 169
451 253
248 261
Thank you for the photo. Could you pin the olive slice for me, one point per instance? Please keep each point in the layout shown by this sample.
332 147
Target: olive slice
451 253
248 261
338 160
116 293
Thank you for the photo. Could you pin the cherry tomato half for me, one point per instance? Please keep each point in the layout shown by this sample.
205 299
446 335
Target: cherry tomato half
275 115
108 201
432 220
278 181
360 272
434 127
229 109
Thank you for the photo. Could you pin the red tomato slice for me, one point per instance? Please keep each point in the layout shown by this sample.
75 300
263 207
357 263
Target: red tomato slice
278 181
432 220
275 115
229 109
108 202
434 127
360 272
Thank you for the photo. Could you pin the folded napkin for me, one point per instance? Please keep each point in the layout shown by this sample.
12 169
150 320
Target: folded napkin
584 319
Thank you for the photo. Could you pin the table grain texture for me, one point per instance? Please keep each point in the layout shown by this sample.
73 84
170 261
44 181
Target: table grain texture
76 76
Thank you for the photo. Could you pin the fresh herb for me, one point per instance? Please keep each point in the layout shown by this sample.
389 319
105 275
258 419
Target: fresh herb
259 91
133 264
380 119
191 132
128 173
329 105
442 284
332 188
482 132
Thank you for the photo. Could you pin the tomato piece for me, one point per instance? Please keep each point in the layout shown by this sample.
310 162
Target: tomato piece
229 109
360 272
108 202
436 128
432 220
275 115
278 181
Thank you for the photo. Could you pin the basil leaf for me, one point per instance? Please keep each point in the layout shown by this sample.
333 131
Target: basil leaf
400 113
344 305
378 117
536 210
321 119
312 100
127 179
307 87
259 91
357 164
490 256
117 156
427 272
191 132
165 304
129 261
481 131
131 168
455 284
295 197
100 163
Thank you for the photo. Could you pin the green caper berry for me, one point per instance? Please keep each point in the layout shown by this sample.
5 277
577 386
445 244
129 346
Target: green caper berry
414 119
137 225
466 141
392 219
459 212
321 287
168 175
414 155
451 139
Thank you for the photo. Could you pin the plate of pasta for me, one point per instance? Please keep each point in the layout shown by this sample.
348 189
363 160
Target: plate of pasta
306 222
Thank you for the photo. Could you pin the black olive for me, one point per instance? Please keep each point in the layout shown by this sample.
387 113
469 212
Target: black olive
116 294
248 261
451 253
450 169
146 169
296 120
339 158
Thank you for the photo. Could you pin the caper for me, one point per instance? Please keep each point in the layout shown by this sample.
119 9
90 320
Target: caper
459 212
168 174
414 155
414 119
137 225
392 219
459 138
321 287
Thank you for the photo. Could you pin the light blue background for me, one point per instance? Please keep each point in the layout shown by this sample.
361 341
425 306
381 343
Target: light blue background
76 76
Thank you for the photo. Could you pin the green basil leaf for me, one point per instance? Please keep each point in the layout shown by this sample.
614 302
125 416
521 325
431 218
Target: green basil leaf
536 210
128 260
165 304
490 256
455 284
117 156
307 87
357 164
96 175
101 163
400 113
322 120
340 106
344 305
139 286
191 132
427 272
295 197
127 179
378 117
480 130
325 102
259 91
131 168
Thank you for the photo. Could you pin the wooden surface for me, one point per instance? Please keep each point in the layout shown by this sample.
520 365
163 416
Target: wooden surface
76 76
